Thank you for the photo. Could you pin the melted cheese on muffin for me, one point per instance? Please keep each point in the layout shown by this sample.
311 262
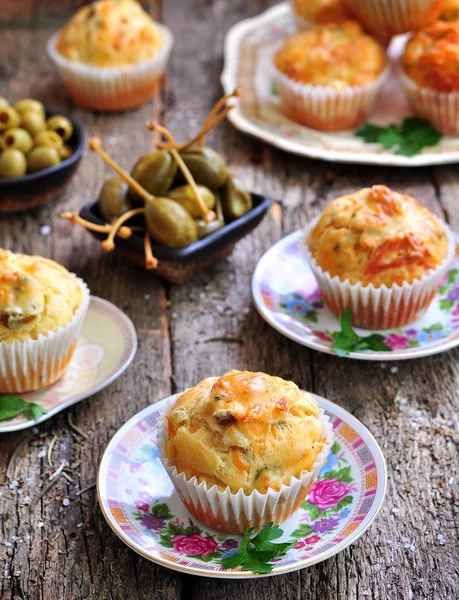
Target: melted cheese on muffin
450 10
332 55
110 33
377 236
431 57
37 295
321 11
244 431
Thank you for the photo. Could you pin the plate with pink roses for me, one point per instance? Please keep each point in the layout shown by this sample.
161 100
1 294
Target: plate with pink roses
142 507
287 295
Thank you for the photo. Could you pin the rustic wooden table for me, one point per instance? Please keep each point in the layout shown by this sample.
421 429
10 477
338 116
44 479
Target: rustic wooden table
51 551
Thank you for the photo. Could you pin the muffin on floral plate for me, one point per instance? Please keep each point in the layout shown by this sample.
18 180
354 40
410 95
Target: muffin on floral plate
328 77
308 13
111 55
42 310
386 18
244 449
430 75
379 253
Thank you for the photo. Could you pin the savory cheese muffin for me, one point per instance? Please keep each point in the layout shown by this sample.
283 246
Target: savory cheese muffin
327 77
431 76
243 449
37 295
373 246
111 54
450 11
310 12
42 309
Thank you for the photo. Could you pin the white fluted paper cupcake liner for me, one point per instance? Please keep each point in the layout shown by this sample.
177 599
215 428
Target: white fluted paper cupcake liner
386 18
326 108
34 364
380 307
112 89
439 108
234 513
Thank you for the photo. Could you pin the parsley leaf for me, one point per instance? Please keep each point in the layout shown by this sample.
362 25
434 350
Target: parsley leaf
347 340
408 139
255 554
11 406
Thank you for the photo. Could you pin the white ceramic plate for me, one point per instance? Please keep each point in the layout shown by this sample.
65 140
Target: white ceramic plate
105 348
142 507
287 296
248 49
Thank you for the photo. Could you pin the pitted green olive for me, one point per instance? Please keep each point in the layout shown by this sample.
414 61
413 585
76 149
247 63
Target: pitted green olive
155 172
50 139
205 229
207 166
9 118
113 198
236 200
28 104
60 125
65 152
12 163
169 223
33 122
42 157
185 196
17 138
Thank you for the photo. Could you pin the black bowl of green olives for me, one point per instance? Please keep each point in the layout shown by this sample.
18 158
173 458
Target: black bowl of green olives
40 150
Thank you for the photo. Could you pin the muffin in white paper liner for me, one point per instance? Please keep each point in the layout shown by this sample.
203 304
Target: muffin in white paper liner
440 108
303 24
112 88
34 364
324 107
385 18
234 513
380 307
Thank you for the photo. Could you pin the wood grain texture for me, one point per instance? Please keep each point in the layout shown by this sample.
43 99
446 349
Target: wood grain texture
204 328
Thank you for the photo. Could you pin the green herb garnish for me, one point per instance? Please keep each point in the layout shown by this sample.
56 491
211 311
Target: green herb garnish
12 406
255 554
408 139
347 340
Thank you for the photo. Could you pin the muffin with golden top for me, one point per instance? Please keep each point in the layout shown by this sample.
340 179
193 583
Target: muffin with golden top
308 13
240 440
379 253
42 309
328 77
430 75
111 54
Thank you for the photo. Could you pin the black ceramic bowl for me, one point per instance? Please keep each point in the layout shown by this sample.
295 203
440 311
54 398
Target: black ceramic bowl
18 194
179 264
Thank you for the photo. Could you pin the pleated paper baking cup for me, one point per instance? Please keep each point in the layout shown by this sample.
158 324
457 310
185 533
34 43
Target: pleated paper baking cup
386 18
439 108
326 108
34 364
234 513
380 307
112 89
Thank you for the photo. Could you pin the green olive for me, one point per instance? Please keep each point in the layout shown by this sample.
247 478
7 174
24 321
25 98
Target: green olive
236 200
207 166
169 223
205 229
65 152
9 118
60 125
51 139
113 198
155 172
42 157
185 196
13 163
17 138
28 104
3 102
33 122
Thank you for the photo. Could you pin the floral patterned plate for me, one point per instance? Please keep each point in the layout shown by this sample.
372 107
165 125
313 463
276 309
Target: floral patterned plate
248 49
106 347
142 507
286 295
